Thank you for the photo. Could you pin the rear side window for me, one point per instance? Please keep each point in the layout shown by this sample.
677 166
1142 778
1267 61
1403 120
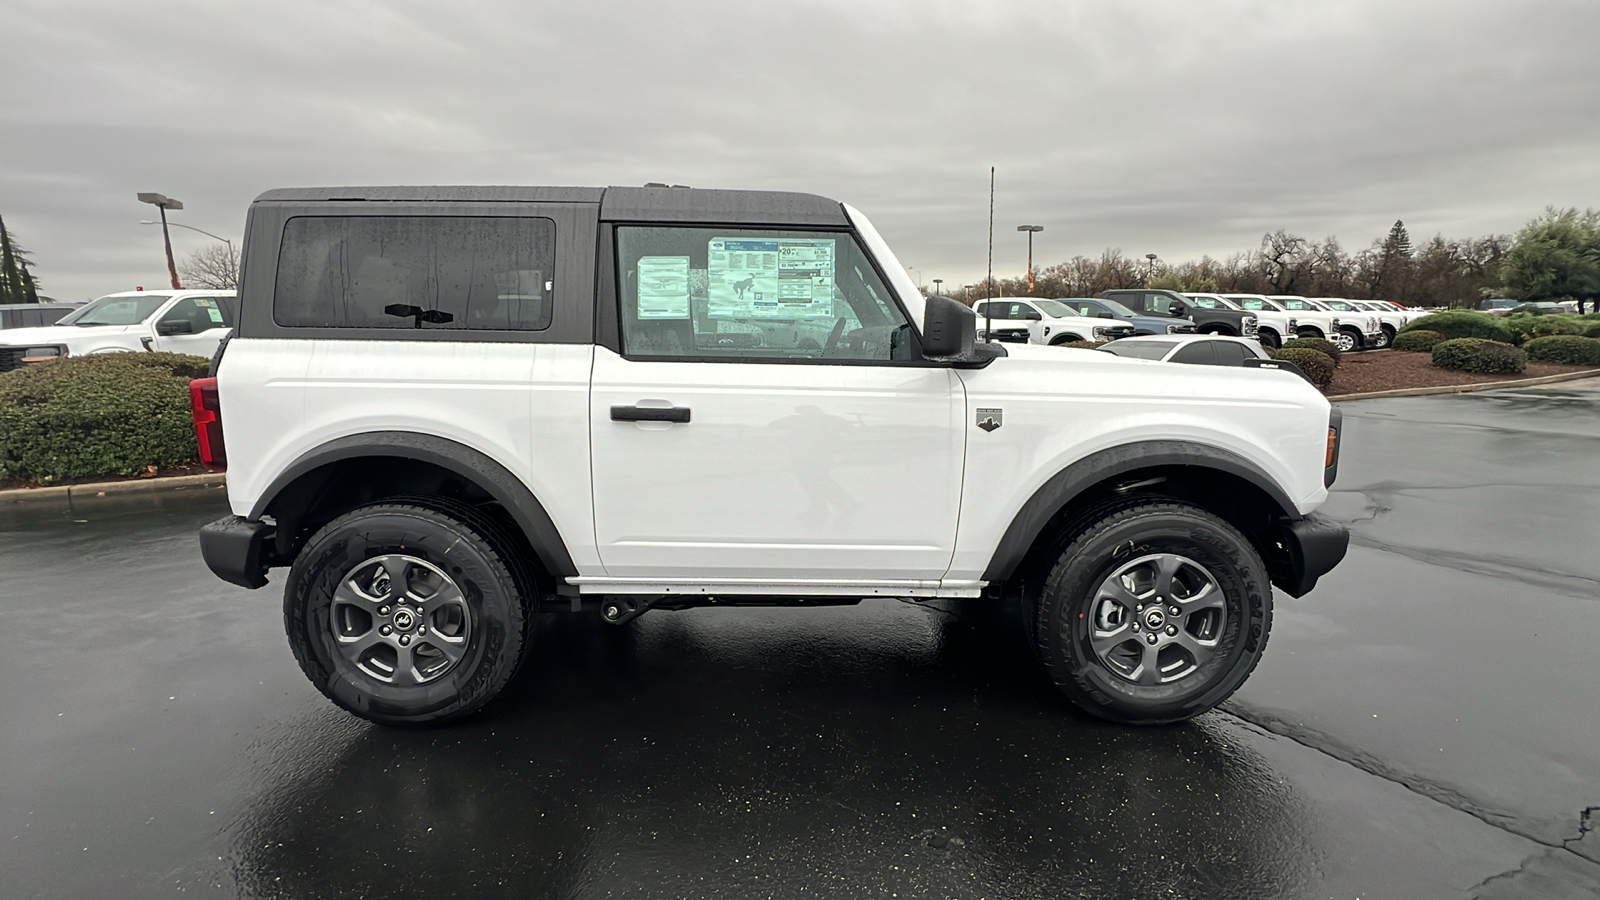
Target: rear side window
431 272
1201 353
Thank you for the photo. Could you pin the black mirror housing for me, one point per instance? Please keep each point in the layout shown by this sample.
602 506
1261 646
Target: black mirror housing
177 326
949 328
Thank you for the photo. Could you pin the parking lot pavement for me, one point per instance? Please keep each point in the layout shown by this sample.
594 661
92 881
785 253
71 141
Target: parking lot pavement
1422 725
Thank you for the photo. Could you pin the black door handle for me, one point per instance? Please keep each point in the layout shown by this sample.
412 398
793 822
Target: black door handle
649 414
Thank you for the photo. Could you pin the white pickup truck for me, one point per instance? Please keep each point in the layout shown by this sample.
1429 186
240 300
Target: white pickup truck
448 408
1047 322
192 322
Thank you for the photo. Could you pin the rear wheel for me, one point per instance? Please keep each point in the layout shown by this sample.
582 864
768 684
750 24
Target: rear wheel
409 614
1155 613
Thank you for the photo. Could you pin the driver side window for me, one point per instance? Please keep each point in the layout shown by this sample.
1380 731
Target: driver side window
745 294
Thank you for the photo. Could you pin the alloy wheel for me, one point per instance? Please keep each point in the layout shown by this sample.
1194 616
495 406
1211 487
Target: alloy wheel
400 620
1157 619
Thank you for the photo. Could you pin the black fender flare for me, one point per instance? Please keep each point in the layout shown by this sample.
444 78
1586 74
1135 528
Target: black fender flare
1065 486
473 465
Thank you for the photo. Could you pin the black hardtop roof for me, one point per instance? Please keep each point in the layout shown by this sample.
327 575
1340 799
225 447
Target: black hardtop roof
617 204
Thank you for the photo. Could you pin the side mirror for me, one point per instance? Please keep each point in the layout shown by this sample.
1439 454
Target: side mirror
1031 315
1175 310
176 326
948 328
1102 314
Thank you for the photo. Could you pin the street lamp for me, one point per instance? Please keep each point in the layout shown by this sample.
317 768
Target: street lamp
1030 229
164 203
937 289
192 228
1152 274
919 275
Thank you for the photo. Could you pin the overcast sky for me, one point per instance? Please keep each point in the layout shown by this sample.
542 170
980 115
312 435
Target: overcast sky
1177 127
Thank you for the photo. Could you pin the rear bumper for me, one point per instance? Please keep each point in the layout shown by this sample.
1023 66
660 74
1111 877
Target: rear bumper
235 549
1315 544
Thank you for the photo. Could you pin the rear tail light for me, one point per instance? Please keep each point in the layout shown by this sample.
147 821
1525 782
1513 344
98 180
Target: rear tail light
208 423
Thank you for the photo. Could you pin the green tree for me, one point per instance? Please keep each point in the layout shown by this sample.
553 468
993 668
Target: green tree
16 282
1555 255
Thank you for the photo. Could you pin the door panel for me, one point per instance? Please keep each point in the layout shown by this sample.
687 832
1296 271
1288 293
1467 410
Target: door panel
781 471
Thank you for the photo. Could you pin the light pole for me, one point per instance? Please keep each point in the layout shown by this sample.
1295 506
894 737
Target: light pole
937 287
1030 229
1150 276
192 228
164 203
919 275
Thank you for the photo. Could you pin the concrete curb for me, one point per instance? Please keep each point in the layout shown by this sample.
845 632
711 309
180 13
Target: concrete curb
71 494
1468 388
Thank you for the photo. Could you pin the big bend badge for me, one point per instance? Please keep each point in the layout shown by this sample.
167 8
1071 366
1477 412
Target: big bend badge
990 419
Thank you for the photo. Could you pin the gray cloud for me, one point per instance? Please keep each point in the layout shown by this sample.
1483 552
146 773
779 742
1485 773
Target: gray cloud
1178 128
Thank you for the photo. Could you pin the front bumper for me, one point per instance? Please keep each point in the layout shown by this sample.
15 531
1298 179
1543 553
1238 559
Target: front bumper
235 549
1314 545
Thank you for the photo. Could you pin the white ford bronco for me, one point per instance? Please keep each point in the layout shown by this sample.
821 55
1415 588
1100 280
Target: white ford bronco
446 410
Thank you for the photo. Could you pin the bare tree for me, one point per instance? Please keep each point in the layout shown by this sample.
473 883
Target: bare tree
214 266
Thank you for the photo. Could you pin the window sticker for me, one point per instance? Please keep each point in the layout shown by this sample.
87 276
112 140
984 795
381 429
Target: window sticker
211 308
784 278
663 287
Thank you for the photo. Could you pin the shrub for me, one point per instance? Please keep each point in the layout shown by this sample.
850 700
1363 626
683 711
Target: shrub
1326 348
1317 365
85 417
1592 330
1416 340
1564 348
1464 323
1527 328
1478 355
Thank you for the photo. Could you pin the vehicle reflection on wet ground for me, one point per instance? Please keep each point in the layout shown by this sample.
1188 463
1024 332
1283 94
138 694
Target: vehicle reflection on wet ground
158 736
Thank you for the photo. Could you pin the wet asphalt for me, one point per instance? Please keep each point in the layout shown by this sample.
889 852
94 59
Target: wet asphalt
1426 723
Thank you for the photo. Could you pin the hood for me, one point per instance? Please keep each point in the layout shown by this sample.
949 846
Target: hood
54 334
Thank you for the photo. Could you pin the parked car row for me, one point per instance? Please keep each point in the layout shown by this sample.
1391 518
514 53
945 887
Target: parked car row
1270 320
192 322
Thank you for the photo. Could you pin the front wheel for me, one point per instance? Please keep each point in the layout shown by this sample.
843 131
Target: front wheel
1385 338
1155 613
1347 340
409 614
1269 338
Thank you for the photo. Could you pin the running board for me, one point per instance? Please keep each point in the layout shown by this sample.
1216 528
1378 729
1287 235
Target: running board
759 587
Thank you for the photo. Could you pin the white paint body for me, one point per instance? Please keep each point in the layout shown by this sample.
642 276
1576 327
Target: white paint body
798 479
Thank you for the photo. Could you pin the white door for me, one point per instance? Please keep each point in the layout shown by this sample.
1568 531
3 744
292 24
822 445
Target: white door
193 325
732 442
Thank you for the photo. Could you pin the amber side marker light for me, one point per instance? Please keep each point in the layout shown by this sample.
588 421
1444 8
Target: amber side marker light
1333 447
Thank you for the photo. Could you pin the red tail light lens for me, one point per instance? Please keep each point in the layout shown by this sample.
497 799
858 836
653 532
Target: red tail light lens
208 423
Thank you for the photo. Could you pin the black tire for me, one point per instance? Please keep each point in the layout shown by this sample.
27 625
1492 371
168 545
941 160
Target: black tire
1357 342
1386 339
498 596
1269 338
1065 339
1066 611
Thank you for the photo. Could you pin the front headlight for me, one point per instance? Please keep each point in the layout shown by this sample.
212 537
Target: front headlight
40 354
1097 333
1173 329
1334 321
1293 324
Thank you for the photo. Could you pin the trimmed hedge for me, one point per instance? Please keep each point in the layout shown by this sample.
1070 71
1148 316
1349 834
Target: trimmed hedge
1326 348
1527 328
1318 366
1082 345
1480 356
1564 348
1592 330
84 417
1416 340
1464 323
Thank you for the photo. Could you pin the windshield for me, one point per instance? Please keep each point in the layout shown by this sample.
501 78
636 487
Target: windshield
1054 309
1138 349
1339 305
115 310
